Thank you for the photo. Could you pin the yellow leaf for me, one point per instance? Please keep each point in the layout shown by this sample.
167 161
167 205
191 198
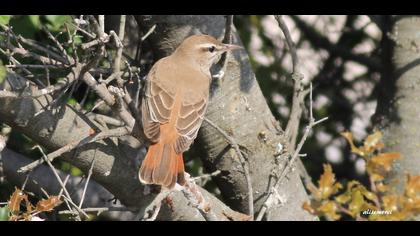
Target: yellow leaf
343 198
326 183
329 209
385 160
373 142
354 149
346 197
375 177
382 187
357 201
307 206
412 187
390 203
411 205
366 193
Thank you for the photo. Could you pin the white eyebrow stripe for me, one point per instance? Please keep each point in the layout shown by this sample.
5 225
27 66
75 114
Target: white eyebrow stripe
205 45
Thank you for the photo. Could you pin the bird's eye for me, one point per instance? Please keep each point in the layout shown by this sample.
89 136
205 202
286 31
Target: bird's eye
212 48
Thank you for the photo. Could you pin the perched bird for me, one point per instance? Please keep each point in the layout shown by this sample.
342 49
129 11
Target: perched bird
173 106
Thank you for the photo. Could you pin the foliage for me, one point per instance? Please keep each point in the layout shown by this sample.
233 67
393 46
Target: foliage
379 201
14 212
2 72
4 19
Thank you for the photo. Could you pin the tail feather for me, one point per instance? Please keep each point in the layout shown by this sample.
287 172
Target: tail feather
170 179
162 166
180 169
146 169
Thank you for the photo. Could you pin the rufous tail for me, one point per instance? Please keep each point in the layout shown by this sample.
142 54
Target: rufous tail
162 166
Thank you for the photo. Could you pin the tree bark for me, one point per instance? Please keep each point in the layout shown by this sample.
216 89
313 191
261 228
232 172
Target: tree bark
96 195
398 111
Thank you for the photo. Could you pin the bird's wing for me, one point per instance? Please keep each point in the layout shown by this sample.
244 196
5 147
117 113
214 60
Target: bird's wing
157 104
191 115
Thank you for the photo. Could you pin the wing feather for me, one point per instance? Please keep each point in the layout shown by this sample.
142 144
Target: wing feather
156 107
189 122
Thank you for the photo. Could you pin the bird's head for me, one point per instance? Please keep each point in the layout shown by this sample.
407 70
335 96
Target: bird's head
204 50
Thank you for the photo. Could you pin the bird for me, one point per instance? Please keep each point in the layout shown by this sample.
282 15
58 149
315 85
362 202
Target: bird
175 100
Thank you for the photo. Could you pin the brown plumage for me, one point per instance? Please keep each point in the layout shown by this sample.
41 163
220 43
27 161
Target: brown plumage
173 107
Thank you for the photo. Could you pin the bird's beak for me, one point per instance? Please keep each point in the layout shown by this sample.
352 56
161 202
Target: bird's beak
230 47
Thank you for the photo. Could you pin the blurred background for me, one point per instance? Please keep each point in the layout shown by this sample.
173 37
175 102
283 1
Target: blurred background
337 54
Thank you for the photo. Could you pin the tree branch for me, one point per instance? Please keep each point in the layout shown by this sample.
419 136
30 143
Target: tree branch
320 41
69 147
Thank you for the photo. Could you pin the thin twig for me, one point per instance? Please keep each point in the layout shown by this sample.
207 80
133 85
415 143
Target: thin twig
87 180
138 88
149 32
102 91
117 61
25 53
92 138
153 207
228 40
207 176
100 210
101 19
289 166
289 42
59 46
35 45
61 84
242 160
298 95
197 200
137 57
67 195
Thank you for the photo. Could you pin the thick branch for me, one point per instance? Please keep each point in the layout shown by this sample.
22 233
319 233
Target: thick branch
42 177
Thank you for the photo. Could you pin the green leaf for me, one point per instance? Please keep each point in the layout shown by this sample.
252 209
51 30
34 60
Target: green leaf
2 72
4 19
26 25
35 21
76 171
71 102
56 21
4 213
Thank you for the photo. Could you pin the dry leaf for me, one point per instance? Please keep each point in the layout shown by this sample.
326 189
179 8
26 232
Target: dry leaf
390 202
307 206
376 177
356 203
314 191
15 200
382 162
236 216
48 204
92 131
412 187
329 209
346 196
354 149
382 187
327 185
373 142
